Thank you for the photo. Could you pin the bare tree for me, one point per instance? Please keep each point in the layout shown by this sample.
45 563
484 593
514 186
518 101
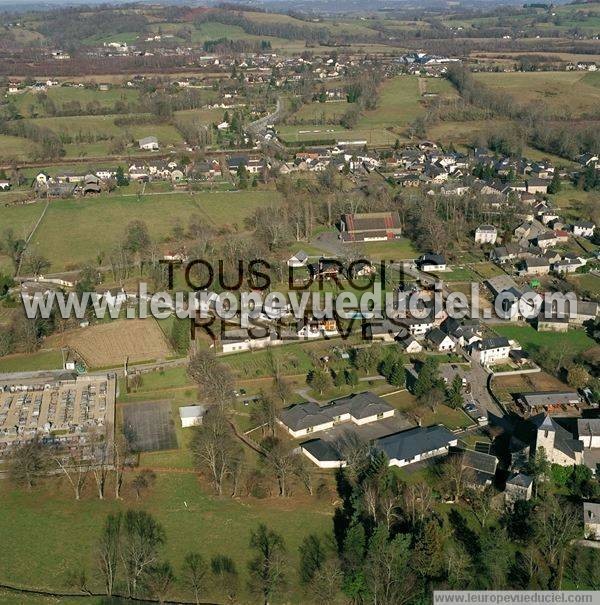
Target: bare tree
559 525
100 463
27 462
418 501
213 447
108 551
76 468
267 568
281 462
195 570
213 377
142 536
159 581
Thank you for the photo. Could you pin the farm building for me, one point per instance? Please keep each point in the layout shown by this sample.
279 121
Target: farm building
547 400
148 143
370 226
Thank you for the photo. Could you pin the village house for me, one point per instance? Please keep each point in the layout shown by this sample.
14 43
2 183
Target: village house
486 234
480 468
591 520
583 228
536 266
298 260
149 143
410 344
439 341
588 430
519 486
491 350
432 262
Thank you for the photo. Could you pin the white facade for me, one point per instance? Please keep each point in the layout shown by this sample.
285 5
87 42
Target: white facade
324 463
425 455
309 430
489 356
486 234
191 415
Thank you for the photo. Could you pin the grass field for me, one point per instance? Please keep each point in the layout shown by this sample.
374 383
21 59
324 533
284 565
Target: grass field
397 249
16 148
399 104
47 533
588 282
86 235
321 112
576 341
87 128
563 93
42 360
29 105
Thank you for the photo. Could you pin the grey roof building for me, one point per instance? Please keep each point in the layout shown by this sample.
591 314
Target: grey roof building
360 408
407 447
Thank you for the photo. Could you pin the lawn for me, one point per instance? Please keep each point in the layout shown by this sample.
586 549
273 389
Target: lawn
42 360
486 270
47 533
87 127
29 101
320 113
565 93
399 104
293 359
588 282
457 273
398 249
576 341
16 148
87 236
407 403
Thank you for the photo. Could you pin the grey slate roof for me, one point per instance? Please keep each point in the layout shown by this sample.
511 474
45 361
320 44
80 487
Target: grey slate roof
479 461
588 426
359 405
493 343
520 480
563 440
408 444
541 398
323 451
436 336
